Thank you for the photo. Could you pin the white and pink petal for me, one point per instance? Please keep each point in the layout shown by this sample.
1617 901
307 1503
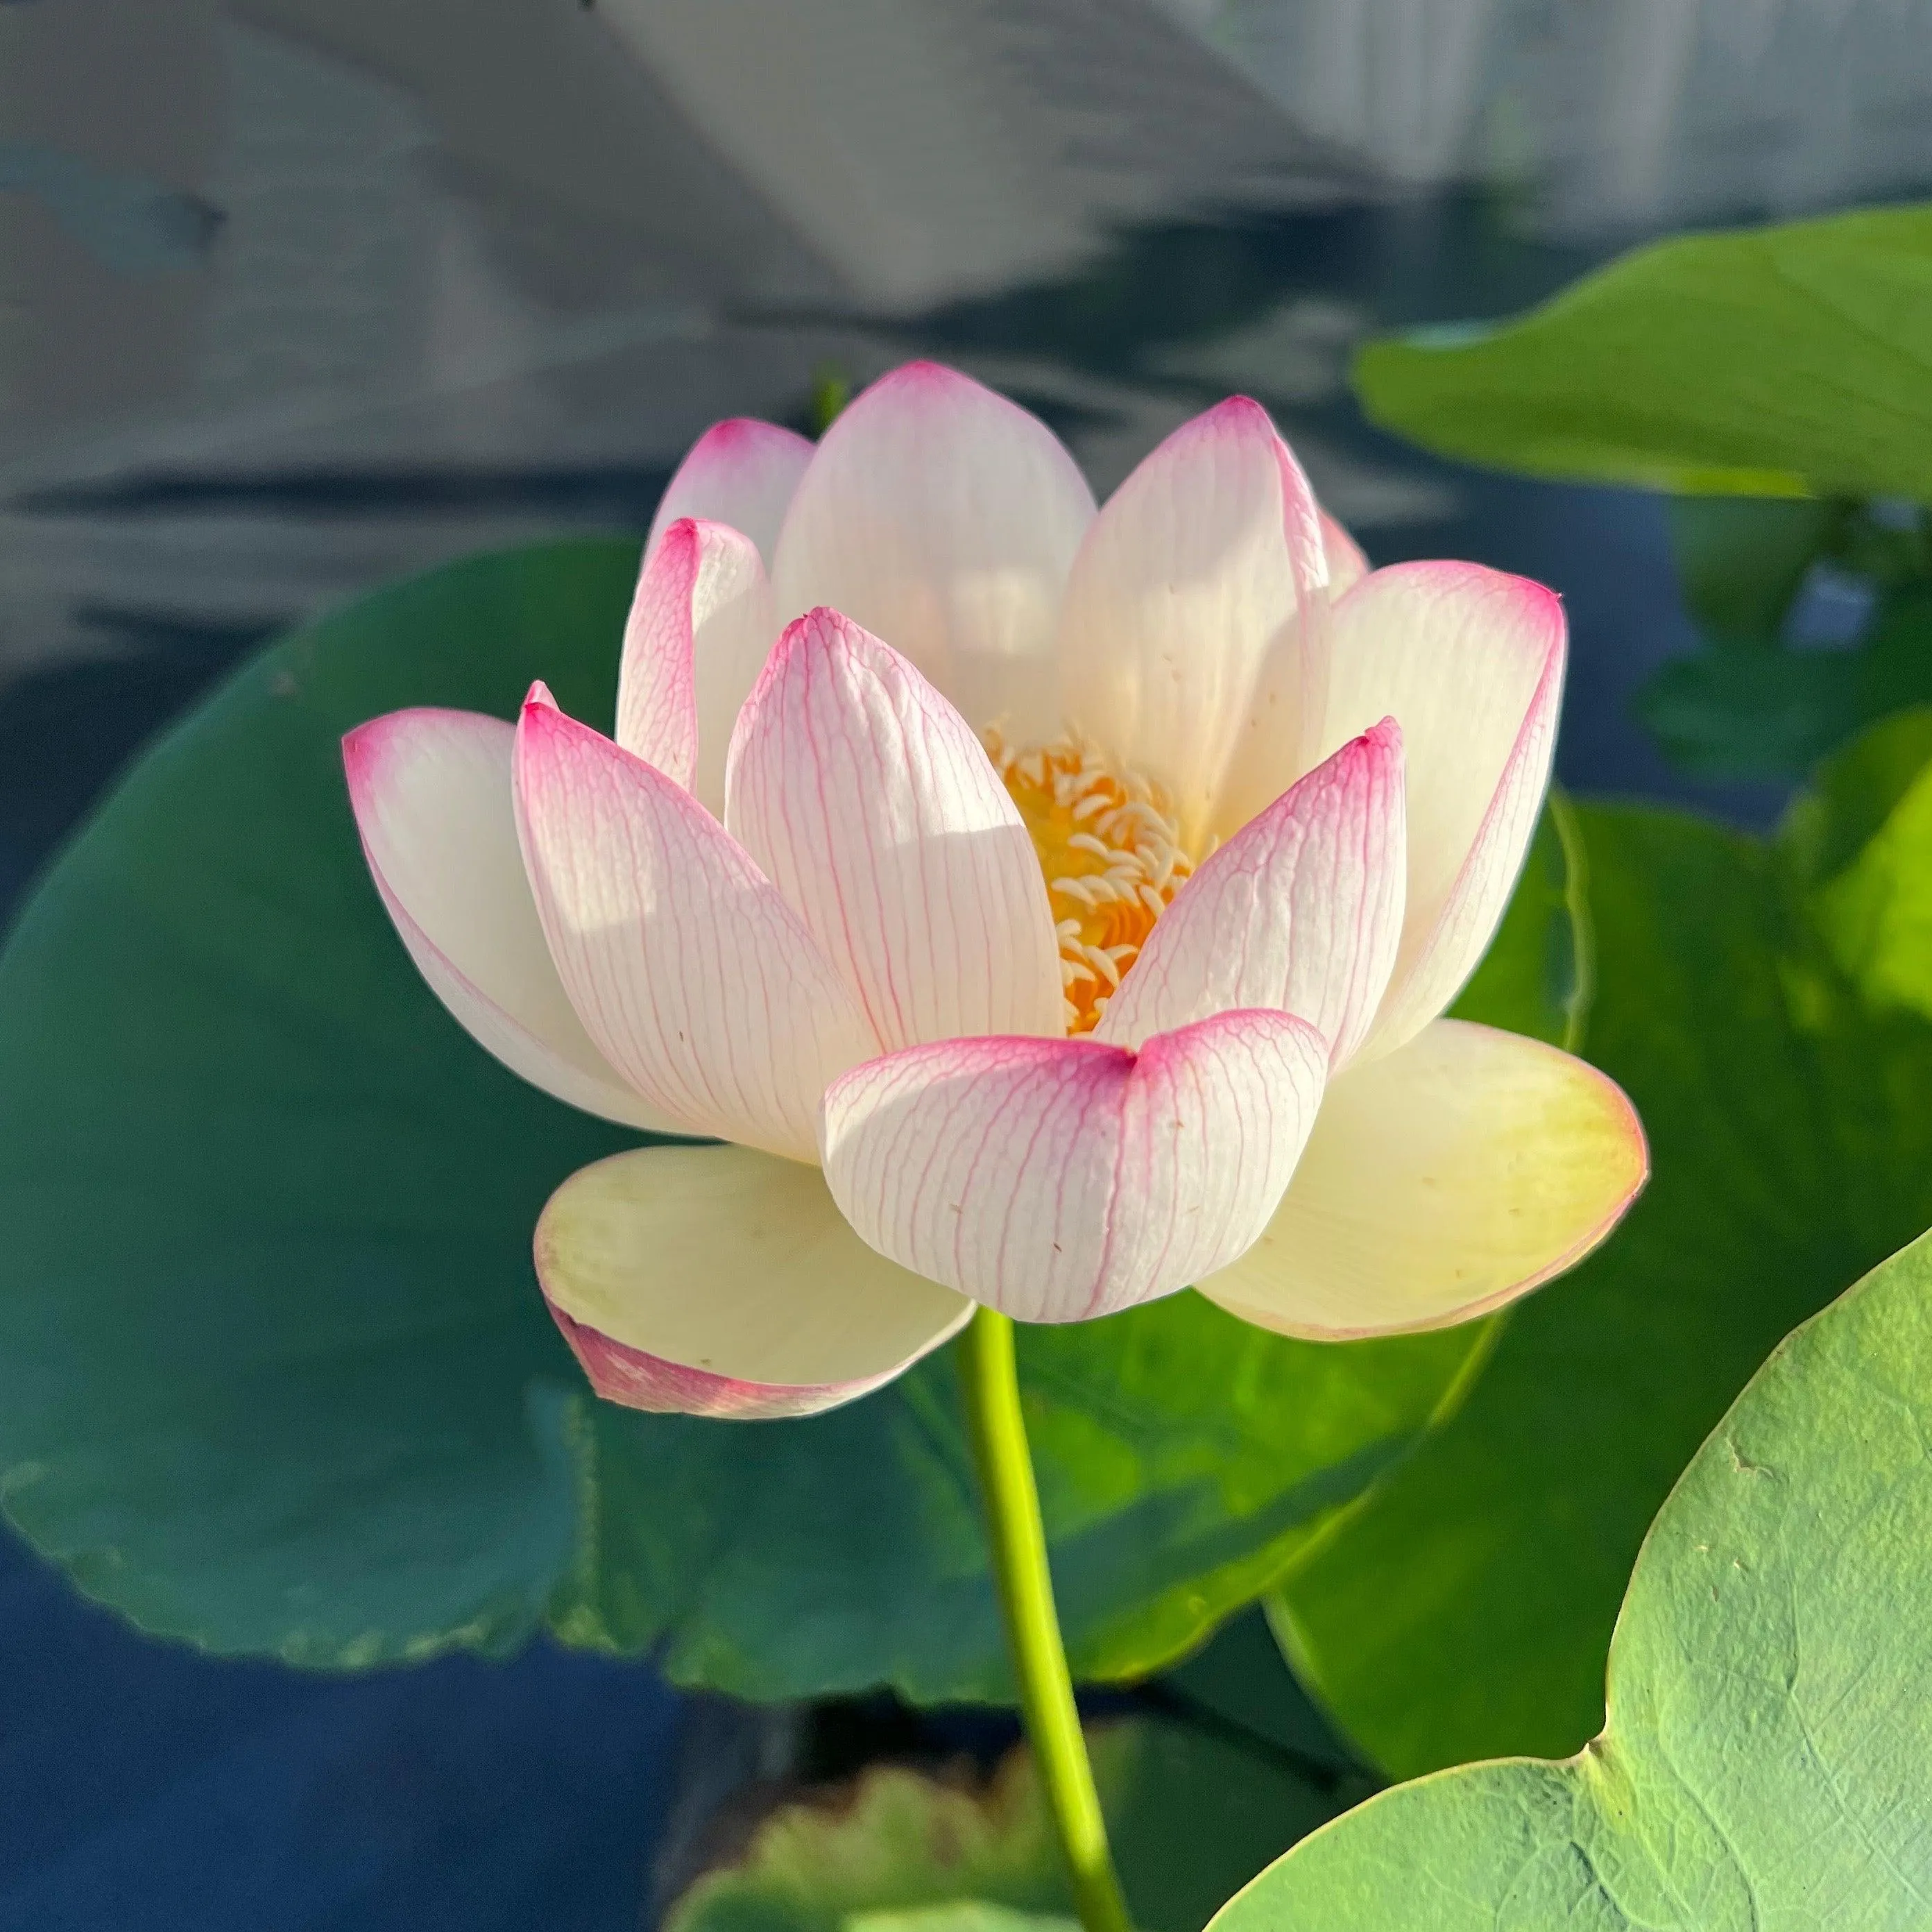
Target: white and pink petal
432 796
1347 565
943 518
686 966
1301 911
721 1281
872 806
741 472
1441 1183
1196 602
698 633
1060 1180
1470 662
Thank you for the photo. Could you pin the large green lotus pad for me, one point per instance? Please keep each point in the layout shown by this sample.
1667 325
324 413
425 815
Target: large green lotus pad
1768 1760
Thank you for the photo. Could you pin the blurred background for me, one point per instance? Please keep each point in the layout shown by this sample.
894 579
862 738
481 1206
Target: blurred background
299 295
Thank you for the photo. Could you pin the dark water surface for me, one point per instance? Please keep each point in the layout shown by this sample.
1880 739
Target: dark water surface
298 295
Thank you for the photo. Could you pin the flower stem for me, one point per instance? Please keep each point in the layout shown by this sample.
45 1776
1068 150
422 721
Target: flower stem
992 1393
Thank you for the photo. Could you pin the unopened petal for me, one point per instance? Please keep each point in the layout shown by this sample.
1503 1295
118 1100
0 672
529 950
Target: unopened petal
1195 599
742 472
718 1281
685 963
431 792
699 631
1058 1179
870 803
1469 661
1440 1183
943 518
1301 911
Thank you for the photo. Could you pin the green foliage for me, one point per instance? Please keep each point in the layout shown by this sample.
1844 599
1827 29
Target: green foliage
1741 559
831 390
962 1915
1753 704
1239 1681
1767 1008
1775 361
1752 711
274 1375
1192 1817
1765 1760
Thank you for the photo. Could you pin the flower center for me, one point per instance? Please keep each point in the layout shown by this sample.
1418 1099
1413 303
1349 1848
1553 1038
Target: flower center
1110 849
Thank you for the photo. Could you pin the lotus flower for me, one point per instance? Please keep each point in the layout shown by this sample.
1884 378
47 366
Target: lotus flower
1043 908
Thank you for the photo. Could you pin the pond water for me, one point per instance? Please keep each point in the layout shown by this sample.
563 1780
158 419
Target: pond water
298 295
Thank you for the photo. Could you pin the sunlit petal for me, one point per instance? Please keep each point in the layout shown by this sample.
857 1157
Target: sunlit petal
431 792
944 519
868 802
1059 1179
1301 911
742 472
699 632
1440 1183
685 964
1469 661
1347 565
1195 599
718 1281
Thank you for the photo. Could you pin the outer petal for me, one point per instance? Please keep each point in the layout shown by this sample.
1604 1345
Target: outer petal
722 1281
742 472
1347 565
1301 911
1470 661
432 796
1193 601
943 518
1061 1179
687 967
871 804
699 632
1440 1183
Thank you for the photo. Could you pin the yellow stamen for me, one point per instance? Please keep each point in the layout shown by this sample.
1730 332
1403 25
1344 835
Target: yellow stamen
1110 849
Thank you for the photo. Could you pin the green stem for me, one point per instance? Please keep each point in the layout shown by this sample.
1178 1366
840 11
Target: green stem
992 1391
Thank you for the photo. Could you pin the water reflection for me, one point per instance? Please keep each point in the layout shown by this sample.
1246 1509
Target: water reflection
1658 113
463 274
307 293
301 294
